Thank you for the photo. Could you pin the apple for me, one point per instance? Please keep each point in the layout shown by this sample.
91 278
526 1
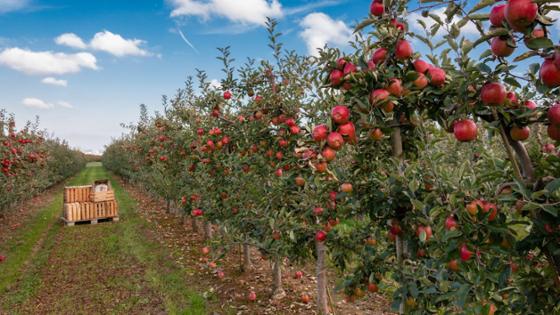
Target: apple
320 133
298 275
300 181
197 213
336 77
340 114
278 172
379 55
549 148
347 130
305 298
377 134
421 81
512 99
252 296
318 211
205 250
519 133
490 207
554 114
465 130
520 14
550 73
403 50
321 166
424 230
279 155
437 76
332 195
372 287
531 105
453 265
395 87
421 66
554 132
450 223
399 25
465 253
472 207
500 47
493 94
321 236
328 154
335 140
163 158
2 258
497 15
346 187
220 274
377 8
378 96
227 95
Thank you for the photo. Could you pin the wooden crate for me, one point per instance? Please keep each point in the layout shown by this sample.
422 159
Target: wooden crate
77 194
99 196
90 212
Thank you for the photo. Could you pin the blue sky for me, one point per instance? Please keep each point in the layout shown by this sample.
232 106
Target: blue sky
85 66
107 92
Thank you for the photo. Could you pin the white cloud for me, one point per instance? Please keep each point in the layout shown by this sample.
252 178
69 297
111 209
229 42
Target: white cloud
468 29
244 12
55 81
116 45
12 5
320 29
70 40
34 102
215 84
555 15
46 62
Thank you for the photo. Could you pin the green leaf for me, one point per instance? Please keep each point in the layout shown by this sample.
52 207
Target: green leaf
364 24
553 186
539 43
551 209
481 5
493 33
526 55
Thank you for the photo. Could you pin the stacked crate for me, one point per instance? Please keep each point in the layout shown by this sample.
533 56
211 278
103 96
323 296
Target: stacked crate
89 203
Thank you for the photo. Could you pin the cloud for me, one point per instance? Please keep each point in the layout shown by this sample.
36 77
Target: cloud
46 62
55 81
12 5
244 12
319 29
116 45
70 40
215 84
468 29
37 103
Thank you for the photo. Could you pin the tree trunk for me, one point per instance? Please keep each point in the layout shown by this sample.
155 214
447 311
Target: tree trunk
247 265
207 230
194 225
397 151
277 290
525 161
168 206
322 297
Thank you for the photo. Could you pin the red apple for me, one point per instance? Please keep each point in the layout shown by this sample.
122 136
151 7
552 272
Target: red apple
395 87
328 154
378 96
550 73
519 133
500 47
252 296
320 133
298 275
379 55
349 68
421 81
377 134
437 76
318 211
453 265
205 250
549 148
497 15
554 132
520 14
278 172
450 223
531 105
305 298
373 288
424 232
340 114
335 140
336 77
346 187
421 66
403 50
493 94
377 8
227 95
399 25
197 213
465 253
300 181
348 130
554 114
465 130
320 236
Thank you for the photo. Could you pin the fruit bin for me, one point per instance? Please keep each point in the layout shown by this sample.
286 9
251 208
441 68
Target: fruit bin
89 203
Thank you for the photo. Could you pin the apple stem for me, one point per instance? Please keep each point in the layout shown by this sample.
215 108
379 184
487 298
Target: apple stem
322 298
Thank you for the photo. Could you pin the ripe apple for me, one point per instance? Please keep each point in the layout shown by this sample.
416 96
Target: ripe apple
437 76
328 154
379 55
377 8
453 265
549 148
197 213
421 66
424 230
336 77
300 181
318 211
298 275
550 73
278 172
349 68
520 14
320 133
554 132
465 253
346 187
332 195
372 287
497 15
320 236
450 223
205 250
399 25
421 81
465 130
377 134
347 130
493 94
252 296
321 166
531 105
305 298
340 114
395 87
403 50
378 96
519 133
227 95
335 140
2 258
490 207
500 47
554 114
472 207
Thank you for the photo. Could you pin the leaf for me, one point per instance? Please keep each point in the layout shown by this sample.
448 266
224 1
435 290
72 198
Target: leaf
551 209
539 43
526 55
462 295
553 186
363 25
493 33
481 5
512 81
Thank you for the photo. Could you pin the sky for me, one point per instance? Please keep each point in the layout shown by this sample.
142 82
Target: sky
85 66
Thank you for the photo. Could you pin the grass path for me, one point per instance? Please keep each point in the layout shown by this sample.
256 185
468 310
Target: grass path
109 268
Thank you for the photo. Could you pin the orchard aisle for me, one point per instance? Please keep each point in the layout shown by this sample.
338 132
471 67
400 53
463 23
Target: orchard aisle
105 268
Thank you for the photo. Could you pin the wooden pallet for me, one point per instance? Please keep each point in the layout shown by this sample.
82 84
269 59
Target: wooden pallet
90 211
92 221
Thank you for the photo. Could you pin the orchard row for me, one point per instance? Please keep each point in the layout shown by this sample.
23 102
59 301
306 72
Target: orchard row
432 177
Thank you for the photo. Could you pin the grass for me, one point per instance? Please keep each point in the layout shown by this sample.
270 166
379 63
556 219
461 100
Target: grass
57 264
